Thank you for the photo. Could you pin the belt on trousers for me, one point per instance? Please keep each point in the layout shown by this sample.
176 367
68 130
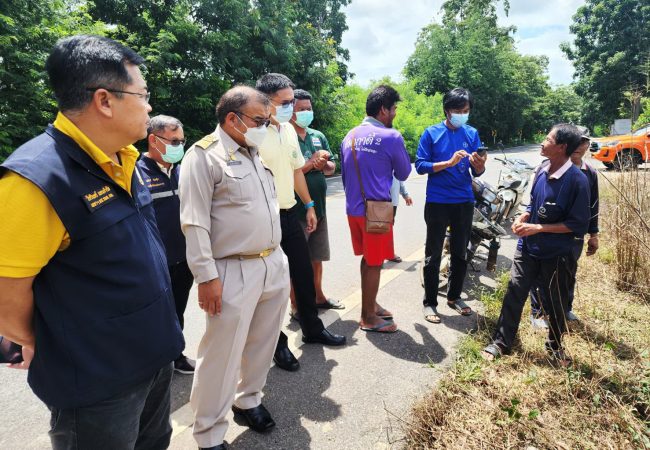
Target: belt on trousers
262 254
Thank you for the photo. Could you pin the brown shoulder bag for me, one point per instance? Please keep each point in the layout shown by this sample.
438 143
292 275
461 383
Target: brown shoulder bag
379 214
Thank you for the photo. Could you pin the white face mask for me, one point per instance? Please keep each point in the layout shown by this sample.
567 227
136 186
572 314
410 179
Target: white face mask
254 136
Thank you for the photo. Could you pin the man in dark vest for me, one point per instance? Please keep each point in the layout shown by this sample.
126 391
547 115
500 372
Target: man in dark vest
160 169
84 286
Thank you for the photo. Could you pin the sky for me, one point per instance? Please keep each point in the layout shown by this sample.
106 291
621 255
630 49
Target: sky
381 34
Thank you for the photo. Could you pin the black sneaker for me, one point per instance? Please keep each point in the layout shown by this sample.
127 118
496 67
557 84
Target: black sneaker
184 365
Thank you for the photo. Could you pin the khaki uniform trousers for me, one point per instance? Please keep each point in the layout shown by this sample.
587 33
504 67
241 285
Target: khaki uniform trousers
236 350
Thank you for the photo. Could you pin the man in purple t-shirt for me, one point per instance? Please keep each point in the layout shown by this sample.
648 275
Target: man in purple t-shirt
381 153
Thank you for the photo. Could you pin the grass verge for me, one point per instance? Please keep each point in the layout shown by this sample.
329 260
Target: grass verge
522 401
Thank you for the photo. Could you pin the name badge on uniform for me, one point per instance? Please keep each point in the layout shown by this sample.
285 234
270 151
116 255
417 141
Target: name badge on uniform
98 198
234 162
316 142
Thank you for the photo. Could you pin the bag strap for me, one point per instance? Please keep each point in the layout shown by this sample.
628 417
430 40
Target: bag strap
356 166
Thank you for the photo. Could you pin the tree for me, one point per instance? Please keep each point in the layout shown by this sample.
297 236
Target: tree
415 113
194 50
611 45
28 30
470 50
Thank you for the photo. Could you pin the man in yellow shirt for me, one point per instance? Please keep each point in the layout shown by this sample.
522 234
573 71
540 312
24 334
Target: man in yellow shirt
84 286
281 153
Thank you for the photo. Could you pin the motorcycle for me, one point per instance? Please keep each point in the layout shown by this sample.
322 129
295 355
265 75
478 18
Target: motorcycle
511 187
485 233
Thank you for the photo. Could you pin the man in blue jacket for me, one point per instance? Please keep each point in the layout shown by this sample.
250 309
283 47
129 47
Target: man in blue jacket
557 215
160 168
84 286
447 153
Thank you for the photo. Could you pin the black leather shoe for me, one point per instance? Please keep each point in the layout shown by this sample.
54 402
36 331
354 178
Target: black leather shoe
285 360
216 447
325 338
258 418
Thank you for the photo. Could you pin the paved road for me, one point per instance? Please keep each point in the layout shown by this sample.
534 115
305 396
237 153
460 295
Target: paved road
346 398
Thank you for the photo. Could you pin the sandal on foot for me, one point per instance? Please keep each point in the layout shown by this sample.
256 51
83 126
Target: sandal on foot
384 314
494 350
330 304
396 259
460 307
294 316
430 314
559 356
386 326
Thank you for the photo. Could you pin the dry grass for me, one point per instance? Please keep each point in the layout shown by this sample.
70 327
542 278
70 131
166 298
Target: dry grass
522 401
627 216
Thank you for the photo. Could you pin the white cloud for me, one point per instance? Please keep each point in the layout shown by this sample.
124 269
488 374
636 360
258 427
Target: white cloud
382 33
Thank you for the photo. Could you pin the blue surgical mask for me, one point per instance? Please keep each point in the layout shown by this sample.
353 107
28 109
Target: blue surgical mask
304 118
173 153
458 120
283 113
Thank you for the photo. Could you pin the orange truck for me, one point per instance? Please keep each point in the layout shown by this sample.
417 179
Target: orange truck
623 152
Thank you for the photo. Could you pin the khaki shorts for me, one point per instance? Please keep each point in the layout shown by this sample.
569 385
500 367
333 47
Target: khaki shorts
318 241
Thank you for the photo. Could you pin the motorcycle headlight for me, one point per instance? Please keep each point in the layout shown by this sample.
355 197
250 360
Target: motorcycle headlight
507 195
488 195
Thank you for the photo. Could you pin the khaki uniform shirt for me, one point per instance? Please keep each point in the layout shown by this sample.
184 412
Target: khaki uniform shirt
281 153
228 203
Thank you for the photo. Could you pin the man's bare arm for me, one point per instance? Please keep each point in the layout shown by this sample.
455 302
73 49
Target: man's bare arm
17 310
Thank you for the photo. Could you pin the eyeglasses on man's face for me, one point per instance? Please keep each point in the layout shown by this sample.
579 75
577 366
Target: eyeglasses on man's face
173 142
146 95
258 122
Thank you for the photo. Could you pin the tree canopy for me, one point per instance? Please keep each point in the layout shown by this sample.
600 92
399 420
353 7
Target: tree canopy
611 54
469 49
194 49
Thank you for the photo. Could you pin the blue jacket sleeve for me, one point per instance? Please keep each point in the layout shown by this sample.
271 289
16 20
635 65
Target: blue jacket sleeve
579 211
475 144
424 158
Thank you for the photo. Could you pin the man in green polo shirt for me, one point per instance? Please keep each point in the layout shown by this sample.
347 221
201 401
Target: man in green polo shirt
316 150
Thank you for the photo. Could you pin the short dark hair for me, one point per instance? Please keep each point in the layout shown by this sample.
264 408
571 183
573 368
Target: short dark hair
81 62
301 94
566 133
236 98
273 82
161 122
382 95
457 98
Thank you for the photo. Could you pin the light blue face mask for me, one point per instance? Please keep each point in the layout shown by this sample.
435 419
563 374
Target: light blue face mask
283 113
173 153
304 118
458 120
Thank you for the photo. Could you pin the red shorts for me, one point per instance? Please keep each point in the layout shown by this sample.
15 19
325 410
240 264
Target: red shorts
375 248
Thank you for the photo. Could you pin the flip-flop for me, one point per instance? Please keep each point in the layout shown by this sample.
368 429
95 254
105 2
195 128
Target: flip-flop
493 350
330 304
294 316
430 314
384 314
460 307
396 259
387 326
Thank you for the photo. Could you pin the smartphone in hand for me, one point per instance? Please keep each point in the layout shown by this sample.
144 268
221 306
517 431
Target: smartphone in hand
482 151
10 352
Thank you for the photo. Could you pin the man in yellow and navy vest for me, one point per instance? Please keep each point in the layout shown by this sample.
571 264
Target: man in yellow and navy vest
160 170
84 286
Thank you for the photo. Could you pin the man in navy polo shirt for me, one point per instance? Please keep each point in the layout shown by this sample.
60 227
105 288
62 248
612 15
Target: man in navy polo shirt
558 214
160 170
447 153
